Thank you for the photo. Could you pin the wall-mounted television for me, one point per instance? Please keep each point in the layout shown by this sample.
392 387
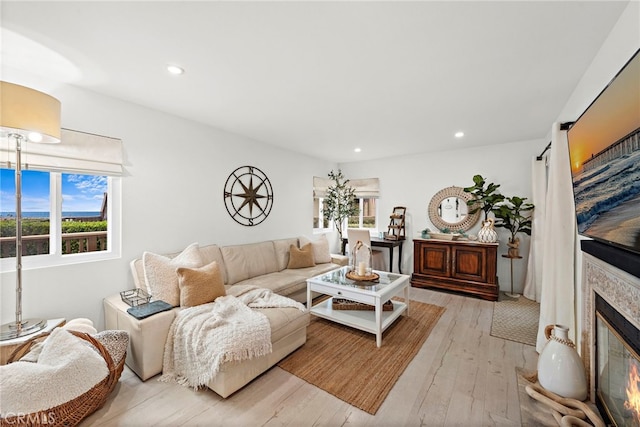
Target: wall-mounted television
604 149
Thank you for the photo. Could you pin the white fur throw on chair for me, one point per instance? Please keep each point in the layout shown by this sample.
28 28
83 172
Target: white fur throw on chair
66 368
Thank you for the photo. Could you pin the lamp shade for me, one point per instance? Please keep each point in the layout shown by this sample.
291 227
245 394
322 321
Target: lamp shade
24 110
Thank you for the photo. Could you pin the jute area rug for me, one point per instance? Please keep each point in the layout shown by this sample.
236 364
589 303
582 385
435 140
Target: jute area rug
515 319
346 363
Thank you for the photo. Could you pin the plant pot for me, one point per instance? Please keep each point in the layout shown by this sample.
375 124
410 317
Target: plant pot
487 233
560 369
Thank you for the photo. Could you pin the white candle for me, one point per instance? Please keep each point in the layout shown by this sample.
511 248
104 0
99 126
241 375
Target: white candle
361 269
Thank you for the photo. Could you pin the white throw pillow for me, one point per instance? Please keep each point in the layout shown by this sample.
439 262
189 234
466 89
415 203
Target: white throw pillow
161 276
321 253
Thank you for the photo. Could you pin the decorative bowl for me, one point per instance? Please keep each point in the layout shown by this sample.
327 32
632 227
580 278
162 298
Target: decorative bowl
445 236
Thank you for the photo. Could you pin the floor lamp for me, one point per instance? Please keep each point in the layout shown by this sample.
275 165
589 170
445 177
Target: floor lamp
25 115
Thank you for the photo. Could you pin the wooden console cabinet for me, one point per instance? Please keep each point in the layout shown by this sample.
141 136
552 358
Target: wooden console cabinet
460 266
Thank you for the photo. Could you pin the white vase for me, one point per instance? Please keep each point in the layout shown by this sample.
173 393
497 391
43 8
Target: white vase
487 233
560 369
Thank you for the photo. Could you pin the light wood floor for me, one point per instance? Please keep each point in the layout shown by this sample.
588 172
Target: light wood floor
462 376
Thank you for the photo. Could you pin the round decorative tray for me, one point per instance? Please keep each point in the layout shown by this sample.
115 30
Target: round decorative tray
368 278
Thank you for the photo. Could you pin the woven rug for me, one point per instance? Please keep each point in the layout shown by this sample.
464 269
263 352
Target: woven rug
515 319
346 362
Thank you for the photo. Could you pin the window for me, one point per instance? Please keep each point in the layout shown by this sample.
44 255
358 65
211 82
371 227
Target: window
367 214
366 191
70 202
318 214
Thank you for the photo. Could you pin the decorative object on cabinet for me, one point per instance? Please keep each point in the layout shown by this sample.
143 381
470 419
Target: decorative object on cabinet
248 195
27 115
396 224
339 201
488 233
459 266
445 236
448 209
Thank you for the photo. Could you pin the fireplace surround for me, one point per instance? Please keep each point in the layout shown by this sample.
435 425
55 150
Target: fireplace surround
610 327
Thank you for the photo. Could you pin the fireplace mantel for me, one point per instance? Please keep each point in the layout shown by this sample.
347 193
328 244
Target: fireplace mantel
620 289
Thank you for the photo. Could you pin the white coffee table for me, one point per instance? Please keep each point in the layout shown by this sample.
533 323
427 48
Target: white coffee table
336 284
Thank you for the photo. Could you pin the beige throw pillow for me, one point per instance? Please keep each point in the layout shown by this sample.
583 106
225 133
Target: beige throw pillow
160 273
321 252
301 258
200 285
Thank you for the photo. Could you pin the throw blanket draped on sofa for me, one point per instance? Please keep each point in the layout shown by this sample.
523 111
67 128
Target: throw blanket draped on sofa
204 337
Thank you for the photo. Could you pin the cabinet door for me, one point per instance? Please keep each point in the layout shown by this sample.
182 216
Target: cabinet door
470 263
435 260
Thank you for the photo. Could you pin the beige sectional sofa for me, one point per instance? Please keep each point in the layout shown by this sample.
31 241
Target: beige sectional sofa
263 264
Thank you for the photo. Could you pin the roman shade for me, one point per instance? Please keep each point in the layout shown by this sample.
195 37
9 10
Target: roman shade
77 152
364 188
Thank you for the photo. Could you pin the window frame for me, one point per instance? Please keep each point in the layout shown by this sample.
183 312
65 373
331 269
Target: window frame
55 256
361 214
319 230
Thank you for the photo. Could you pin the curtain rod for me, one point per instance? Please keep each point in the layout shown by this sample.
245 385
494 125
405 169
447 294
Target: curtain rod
563 126
544 151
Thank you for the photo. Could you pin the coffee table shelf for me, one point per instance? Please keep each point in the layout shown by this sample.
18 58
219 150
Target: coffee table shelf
364 320
376 321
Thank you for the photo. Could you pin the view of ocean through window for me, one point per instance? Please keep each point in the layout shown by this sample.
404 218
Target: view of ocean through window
82 220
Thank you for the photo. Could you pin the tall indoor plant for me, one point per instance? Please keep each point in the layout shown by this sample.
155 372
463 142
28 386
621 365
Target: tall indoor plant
487 197
514 214
339 204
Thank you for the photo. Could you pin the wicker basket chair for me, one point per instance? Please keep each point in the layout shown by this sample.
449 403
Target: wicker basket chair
70 413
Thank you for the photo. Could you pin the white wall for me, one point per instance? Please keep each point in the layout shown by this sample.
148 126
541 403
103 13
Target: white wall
411 181
618 48
172 195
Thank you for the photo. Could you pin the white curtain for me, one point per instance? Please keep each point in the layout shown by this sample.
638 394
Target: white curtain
559 240
533 280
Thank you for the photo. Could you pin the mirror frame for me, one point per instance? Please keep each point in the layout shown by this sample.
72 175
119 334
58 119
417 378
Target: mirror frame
469 221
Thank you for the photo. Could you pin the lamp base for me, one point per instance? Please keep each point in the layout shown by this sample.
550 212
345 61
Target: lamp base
12 330
512 295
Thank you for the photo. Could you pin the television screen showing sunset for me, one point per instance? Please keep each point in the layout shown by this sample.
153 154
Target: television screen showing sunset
604 150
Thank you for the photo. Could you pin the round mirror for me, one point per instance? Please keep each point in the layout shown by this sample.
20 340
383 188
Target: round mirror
448 209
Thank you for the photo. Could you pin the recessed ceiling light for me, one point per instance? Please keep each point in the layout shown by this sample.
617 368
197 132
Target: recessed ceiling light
459 134
357 150
175 70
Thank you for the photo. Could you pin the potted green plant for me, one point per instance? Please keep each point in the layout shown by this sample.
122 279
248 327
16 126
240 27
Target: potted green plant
514 214
487 197
339 204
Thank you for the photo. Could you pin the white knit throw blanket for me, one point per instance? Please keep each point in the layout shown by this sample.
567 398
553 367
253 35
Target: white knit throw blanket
204 337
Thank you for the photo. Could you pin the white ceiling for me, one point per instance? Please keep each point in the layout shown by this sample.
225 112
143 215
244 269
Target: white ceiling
322 78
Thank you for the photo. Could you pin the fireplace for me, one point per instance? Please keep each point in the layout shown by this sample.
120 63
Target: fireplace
617 366
611 334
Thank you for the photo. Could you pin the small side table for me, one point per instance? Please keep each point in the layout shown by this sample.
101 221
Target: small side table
8 346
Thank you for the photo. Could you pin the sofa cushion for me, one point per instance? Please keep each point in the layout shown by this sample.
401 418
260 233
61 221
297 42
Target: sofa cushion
321 252
302 257
200 285
210 253
284 321
281 248
160 273
280 282
243 262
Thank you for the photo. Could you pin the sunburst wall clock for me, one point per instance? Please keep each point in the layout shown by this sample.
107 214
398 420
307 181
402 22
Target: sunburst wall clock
248 195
